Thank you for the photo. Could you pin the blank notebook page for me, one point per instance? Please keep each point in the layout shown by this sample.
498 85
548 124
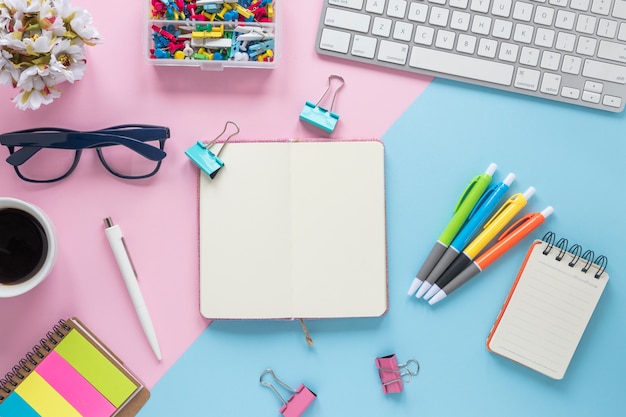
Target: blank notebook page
547 312
294 230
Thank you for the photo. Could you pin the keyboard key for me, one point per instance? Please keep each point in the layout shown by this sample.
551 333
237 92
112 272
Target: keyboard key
418 12
424 35
364 46
460 20
612 51
381 27
439 16
445 39
375 6
569 92
591 97
571 64
619 9
523 11
550 84
545 37
508 52
612 101
565 41
461 4
523 33
550 60
460 65
604 71
403 31
501 8
527 79
466 44
601 7
582 5
487 48
344 19
529 56
481 6
481 25
351 4
502 29
396 8
565 20
593 86
544 15
334 40
607 28
393 52
586 24
586 46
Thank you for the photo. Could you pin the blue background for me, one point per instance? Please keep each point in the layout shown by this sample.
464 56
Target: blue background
575 159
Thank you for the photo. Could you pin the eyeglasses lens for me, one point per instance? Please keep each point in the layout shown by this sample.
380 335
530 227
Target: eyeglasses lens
128 163
47 164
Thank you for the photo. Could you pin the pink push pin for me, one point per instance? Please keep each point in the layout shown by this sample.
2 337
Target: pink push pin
392 374
298 402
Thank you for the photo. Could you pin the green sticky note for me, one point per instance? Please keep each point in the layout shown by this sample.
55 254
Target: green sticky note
95 367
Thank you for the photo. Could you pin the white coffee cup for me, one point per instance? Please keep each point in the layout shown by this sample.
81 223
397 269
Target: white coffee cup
28 246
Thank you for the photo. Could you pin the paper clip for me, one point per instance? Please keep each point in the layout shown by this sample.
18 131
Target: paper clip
392 374
201 154
298 402
319 116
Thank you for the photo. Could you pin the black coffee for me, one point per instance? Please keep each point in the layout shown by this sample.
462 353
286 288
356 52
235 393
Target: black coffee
23 246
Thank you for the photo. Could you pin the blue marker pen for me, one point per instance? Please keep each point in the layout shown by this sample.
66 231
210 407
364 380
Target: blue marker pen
485 206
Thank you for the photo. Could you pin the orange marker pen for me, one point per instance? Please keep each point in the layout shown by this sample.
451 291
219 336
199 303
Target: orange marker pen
506 241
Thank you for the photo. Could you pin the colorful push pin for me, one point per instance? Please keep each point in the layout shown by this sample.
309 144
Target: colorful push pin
201 154
319 116
393 375
299 400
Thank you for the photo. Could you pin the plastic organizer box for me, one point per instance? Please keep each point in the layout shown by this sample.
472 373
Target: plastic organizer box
212 34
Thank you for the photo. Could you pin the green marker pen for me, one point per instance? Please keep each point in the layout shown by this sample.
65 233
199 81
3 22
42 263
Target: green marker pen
463 208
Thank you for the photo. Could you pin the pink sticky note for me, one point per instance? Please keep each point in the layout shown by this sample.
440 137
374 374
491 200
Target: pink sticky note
74 387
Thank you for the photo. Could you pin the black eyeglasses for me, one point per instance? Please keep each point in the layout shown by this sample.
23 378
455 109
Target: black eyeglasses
51 154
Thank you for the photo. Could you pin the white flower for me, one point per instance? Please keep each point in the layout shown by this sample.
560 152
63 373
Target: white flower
35 98
24 6
8 73
42 44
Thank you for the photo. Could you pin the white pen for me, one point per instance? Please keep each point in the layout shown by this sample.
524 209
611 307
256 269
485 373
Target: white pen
116 240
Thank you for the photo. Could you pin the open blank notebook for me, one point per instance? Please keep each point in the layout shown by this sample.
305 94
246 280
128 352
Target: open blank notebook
549 307
294 230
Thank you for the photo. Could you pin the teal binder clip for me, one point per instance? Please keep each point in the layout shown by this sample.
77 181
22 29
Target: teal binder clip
319 116
201 154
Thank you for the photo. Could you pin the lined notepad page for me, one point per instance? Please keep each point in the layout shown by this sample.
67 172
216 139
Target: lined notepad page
547 312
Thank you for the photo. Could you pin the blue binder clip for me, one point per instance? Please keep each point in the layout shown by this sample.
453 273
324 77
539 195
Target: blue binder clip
319 116
201 154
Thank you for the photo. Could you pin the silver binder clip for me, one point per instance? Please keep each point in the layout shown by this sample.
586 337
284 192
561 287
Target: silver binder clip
318 116
201 154
299 400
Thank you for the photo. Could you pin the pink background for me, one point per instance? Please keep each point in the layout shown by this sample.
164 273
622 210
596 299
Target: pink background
159 216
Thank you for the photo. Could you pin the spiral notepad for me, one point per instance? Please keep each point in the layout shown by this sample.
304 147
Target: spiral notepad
70 373
549 306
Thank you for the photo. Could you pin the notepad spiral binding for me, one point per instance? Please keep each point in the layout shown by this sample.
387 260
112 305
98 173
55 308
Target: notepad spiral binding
27 364
575 250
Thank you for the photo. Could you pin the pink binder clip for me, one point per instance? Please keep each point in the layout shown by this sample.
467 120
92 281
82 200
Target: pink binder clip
298 402
392 374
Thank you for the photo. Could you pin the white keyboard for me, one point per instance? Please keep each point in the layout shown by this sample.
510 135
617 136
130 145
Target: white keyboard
567 50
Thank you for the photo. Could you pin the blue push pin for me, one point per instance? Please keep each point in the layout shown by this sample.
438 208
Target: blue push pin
319 116
201 154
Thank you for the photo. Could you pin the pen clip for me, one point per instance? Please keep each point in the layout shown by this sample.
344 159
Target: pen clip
466 192
483 199
517 224
504 206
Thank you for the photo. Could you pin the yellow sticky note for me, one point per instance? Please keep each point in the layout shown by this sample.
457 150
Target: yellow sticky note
43 398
